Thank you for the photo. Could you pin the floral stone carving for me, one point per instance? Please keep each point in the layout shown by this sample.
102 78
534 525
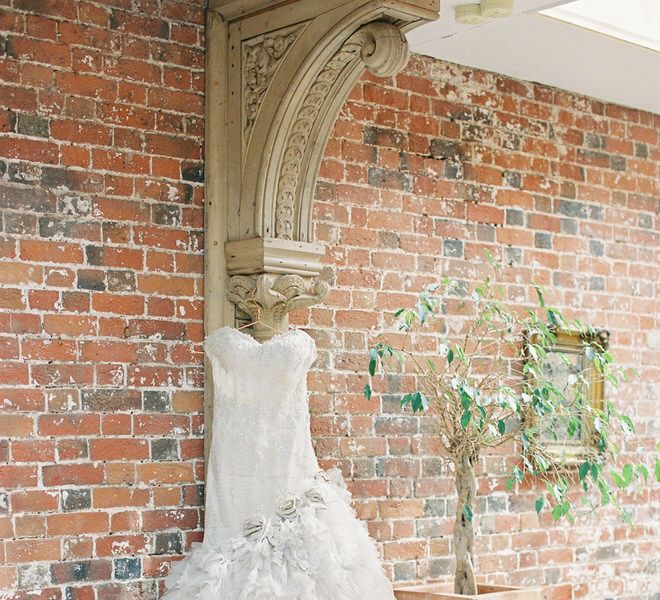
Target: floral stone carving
268 298
261 58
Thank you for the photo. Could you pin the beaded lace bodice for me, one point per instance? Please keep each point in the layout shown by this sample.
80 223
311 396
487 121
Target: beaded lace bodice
261 445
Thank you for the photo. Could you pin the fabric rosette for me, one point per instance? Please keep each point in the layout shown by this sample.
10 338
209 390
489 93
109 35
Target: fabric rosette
315 498
289 506
256 528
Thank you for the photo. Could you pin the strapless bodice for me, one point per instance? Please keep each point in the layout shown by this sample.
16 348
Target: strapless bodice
261 444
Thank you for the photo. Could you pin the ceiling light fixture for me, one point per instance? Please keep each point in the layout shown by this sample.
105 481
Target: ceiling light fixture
469 14
496 9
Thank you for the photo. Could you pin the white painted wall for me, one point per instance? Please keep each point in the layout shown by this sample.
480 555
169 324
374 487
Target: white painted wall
539 48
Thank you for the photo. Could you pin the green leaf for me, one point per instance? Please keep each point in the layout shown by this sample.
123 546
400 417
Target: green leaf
419 402
465 419
619 480
626 517
627 473
542 463
539 293
406 399
657 470
539 504
518 474
367 391
372 366
560 510
584 470
643 472
501 426
450 357
627 425
573 426
509 484
461 355
467 512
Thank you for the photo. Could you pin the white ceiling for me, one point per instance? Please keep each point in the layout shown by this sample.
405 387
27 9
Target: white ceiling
539 48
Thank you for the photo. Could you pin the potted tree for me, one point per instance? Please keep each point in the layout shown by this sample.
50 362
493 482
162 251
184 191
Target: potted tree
490 385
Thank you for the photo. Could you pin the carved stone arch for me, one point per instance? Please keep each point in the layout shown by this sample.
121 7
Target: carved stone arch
331 61
278 73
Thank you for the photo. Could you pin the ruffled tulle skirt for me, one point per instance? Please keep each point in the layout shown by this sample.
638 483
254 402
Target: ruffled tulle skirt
312 548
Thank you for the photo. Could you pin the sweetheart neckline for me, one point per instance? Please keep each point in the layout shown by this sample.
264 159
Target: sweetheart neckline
248 337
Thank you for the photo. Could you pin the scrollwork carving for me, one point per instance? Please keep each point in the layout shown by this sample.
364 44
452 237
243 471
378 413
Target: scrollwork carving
261 58
384 51
268 298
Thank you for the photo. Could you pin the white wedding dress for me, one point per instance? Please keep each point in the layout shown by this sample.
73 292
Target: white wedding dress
275 526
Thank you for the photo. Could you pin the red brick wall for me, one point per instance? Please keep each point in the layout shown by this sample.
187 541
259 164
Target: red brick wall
422 174
101 131
101 314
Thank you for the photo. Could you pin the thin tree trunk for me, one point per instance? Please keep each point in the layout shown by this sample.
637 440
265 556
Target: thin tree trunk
466 489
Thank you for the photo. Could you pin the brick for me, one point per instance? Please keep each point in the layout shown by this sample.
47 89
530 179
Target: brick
84 570
53 349
17 476
165 473
29 149
16 426
69 325
120 162
39 51
68 425
19 551
118 449
14 373
160 520
116 303
111 400
34 501
33 125
56 374
33 451
72 474
78 523
80 132
166 330
117 497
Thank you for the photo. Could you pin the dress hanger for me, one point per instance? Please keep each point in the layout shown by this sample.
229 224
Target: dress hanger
258 320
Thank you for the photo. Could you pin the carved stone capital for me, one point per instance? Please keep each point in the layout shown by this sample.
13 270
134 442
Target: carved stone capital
268 298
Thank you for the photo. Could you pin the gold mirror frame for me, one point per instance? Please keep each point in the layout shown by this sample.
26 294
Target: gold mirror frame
573 451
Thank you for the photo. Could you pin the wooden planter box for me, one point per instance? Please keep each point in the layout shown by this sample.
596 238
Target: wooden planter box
445 591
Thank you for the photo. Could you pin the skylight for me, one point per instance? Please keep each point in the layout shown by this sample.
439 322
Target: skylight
634 21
